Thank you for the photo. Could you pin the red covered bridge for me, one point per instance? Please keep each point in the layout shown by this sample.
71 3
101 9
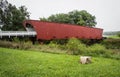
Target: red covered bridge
51 30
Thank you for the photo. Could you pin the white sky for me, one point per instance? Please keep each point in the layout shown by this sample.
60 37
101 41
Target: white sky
107 12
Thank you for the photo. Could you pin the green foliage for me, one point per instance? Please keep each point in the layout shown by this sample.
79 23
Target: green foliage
73 17
53 44
114 37
112 43
118 34
19 63
75 46
82 18
15 39
25 45
12 17
59 18
97 49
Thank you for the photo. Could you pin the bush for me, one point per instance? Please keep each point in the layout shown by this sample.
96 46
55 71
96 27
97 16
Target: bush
25 45
75 46
111 43
96 50
16 40
53 44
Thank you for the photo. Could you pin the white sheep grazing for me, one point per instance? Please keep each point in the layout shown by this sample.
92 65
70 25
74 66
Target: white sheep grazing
85 59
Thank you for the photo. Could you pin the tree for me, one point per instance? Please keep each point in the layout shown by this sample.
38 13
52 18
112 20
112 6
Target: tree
12 17
82 18
74 17
61 18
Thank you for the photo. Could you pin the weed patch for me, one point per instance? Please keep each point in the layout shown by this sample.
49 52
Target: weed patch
73 46
111 43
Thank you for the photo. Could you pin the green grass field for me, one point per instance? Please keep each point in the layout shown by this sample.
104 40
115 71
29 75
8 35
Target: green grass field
114 37
20 63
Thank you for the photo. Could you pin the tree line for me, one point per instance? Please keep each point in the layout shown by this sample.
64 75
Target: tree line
12 17
82 18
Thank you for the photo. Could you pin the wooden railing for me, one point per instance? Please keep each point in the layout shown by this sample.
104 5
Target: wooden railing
17 33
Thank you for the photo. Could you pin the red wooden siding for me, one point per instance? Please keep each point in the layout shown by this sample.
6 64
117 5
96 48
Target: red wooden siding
50 30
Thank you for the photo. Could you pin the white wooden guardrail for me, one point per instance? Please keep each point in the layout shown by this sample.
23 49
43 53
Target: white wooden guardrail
17 33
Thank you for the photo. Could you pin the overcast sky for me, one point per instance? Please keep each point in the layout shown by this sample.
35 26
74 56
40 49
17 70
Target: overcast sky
107 12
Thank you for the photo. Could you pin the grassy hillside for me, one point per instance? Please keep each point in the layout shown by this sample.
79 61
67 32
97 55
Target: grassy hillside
114 37
19 63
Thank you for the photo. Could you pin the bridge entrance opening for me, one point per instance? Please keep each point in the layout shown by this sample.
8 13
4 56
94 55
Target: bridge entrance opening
29 27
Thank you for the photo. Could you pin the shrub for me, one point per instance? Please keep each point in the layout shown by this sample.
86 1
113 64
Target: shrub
111 43
75 46
53 44
25 45
15 39
98 50
82 48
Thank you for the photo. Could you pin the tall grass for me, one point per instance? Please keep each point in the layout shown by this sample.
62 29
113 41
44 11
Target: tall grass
16 45
98 50
76 47
111 43
73 46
